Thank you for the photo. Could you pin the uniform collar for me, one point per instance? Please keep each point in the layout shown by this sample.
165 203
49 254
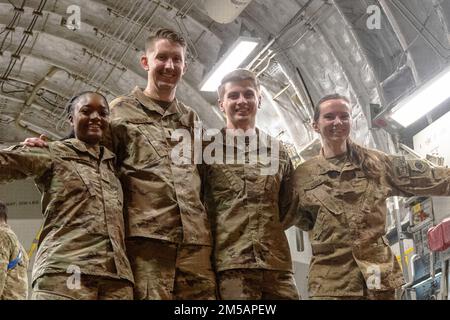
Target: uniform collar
150 105
81 146
324 166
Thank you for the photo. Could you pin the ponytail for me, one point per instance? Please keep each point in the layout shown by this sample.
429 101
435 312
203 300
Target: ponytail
369 162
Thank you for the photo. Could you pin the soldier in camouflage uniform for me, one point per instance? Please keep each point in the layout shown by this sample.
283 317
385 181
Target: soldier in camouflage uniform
245 202
13 262
81 250
168 234
342 195
167 229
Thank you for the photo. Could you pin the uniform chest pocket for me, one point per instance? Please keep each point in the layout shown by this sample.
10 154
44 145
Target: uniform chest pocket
181 143
323 195
353 189
79 174
156 138
329 213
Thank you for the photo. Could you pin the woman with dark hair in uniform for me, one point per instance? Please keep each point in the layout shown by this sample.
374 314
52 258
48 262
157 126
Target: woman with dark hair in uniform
81 250
342 194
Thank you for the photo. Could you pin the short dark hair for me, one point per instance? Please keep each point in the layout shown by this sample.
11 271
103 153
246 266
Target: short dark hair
72 101
3 212
164 33
333 96
235 76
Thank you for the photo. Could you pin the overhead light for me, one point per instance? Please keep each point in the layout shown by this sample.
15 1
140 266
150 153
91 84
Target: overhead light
423 100
238 52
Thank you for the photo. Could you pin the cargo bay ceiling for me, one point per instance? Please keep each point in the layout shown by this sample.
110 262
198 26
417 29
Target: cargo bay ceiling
308 48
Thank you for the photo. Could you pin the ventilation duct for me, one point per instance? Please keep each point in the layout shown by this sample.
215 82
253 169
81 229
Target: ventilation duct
224 11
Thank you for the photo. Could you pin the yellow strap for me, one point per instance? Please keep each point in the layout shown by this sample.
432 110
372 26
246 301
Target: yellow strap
34 243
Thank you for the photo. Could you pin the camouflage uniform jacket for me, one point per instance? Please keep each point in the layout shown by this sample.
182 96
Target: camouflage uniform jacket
82 207
14 281
345 214
162 199
246 206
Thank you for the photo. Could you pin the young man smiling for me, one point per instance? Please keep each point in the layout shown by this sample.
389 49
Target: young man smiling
251 254
168 235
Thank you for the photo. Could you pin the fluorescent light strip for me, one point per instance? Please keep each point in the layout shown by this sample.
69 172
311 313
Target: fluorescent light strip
233 59
423 100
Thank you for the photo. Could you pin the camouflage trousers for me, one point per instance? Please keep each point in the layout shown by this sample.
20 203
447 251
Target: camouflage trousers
56 287
367 295
167 271
15 286
257 284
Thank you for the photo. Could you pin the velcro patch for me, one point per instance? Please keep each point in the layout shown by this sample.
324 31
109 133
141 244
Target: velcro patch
401 167
418 166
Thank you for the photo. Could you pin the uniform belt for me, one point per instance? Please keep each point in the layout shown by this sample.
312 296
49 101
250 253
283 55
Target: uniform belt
320 248
15 262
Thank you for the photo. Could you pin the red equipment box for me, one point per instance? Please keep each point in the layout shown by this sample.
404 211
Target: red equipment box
439 236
